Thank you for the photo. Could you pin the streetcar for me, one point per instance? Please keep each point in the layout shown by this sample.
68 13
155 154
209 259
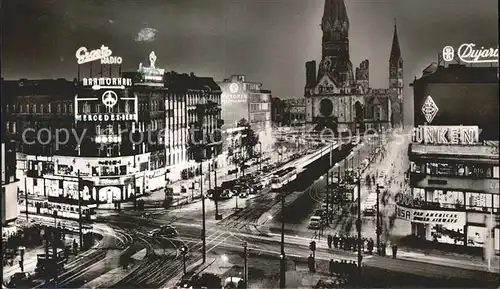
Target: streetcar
283 177
67 211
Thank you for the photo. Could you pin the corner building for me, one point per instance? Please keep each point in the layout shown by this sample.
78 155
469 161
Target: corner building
244 99
135 146
9 208
454 161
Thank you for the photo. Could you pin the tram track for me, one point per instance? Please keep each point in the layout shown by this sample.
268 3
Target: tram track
156 270
92 259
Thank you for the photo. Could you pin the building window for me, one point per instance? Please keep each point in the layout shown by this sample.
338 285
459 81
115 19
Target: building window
109 129
478 201
58 108
495 172
109 151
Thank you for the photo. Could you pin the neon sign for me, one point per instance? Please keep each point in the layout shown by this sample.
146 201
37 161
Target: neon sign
465 135
104 54
468 54
109 99
107 82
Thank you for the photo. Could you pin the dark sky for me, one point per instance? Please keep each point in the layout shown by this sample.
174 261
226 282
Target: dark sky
267 40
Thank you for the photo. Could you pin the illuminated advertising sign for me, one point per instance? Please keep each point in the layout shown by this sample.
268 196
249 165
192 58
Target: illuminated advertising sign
430 216
151 75
107 82
464 135
104 54
469 54
109 99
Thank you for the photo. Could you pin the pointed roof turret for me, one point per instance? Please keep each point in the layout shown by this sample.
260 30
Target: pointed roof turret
335 13
395 50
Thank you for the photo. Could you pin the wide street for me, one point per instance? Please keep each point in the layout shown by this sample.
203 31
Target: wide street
129 255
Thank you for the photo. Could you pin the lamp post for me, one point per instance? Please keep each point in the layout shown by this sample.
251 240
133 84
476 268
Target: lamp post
378 227
260 156
358 226
282 256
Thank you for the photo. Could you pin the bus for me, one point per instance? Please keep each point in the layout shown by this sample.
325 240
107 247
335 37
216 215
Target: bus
283 177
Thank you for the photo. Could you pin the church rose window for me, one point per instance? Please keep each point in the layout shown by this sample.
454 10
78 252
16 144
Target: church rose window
326 107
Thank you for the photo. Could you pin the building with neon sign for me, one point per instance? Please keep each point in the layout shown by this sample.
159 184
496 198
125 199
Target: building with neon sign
120 135
454 157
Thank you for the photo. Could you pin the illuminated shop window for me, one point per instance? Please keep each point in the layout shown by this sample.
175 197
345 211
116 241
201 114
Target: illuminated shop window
495 172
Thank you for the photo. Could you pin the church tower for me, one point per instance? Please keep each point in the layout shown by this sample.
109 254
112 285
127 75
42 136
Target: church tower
396 81
335 60
396 66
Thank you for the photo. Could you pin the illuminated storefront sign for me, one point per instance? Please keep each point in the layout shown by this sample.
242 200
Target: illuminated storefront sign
107 82
104 54
430 216
465 135
109 99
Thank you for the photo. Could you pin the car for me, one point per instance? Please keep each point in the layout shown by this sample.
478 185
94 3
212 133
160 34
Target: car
258 186
188 280
154 233
315 222
168 231
20 279
226 194
318 212
243 194
210 193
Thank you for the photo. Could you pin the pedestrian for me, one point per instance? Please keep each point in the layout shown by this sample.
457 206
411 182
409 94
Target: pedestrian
336 241
331 267
310 263
394 251
329 241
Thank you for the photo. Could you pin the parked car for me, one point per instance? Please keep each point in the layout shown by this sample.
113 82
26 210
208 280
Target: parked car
226 194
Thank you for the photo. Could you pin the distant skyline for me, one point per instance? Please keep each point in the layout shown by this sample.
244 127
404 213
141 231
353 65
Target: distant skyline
268 41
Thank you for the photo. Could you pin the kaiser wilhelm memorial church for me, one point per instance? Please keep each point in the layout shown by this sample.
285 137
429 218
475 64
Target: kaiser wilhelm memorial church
341 102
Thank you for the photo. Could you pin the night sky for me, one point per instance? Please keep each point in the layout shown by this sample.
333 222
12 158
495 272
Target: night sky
267 40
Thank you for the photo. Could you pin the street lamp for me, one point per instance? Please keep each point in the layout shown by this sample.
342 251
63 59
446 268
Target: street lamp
283 255
260 156
358 225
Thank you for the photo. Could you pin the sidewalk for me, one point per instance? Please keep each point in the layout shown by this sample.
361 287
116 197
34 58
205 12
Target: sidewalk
455 261
30 260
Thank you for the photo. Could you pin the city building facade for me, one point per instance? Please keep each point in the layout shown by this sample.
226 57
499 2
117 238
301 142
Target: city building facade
9 207
341 101
454 158
295 111
117 135
242 99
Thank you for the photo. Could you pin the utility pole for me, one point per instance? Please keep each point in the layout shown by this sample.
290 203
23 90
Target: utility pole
327 196
358 226
203 230
260 156
55 259
26 194
46 236
80 225
378 228
245 269
282 256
